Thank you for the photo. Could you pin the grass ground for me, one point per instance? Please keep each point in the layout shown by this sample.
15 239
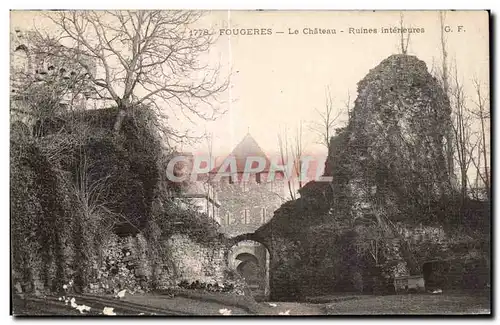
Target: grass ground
196 303
417 304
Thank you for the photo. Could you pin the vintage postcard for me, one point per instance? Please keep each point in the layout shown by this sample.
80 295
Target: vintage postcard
250 163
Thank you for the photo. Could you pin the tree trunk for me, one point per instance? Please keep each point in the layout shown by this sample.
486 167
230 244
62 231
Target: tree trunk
464 184
446 88
119 120
486 174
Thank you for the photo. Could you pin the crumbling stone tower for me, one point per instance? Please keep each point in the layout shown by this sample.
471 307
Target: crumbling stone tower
30 67
247 201
246 204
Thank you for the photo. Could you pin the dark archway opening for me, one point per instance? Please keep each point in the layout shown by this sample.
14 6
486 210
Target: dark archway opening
250 270
250 259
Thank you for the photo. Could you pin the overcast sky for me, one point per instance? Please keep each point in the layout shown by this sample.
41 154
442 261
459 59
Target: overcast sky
279 80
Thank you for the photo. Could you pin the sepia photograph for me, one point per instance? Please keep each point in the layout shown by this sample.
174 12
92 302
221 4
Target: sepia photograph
250 163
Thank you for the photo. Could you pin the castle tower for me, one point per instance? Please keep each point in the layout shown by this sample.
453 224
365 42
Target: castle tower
248 199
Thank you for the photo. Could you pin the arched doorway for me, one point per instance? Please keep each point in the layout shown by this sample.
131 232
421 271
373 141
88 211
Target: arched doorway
250 269
250 259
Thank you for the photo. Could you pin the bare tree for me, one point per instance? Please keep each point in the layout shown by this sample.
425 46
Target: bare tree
291 152
297 150
464 147
327 120
403 42
444 78
93 196
481 112
463 136
444 54
209 138
284 155
142 58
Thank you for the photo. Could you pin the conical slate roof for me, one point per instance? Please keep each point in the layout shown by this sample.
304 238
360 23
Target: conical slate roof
247 148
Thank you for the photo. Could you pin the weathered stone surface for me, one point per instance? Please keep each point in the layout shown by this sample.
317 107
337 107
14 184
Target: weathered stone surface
260 200
382 215
193 261
389 162
391 153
